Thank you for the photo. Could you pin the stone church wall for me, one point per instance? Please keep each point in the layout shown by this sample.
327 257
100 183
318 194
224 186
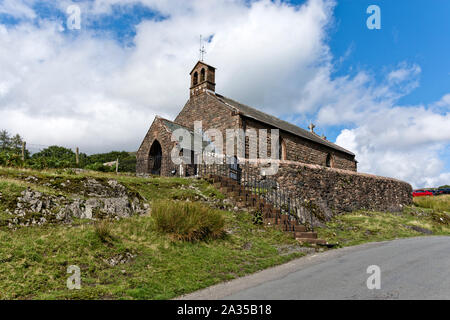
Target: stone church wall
303 150
336 191
158 132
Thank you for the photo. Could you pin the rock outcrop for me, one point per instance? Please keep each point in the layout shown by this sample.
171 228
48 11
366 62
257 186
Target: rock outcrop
96 200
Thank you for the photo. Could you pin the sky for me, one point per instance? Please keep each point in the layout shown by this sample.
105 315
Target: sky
382 93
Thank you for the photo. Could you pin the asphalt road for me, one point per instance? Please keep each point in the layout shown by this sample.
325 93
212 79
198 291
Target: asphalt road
415 268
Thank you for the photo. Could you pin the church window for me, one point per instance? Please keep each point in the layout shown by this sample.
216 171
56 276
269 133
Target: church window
282 149
329 161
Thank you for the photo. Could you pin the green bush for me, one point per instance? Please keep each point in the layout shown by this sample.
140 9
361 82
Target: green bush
127 161
188 221
10 159
97 166
53 157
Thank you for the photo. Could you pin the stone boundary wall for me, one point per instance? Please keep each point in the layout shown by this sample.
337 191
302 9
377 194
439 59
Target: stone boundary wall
336 191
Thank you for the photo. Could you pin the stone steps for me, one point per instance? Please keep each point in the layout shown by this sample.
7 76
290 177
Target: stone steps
271 216
306 235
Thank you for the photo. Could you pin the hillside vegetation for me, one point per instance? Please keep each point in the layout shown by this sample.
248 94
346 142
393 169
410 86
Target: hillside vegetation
190 237
132 258
57 157
428 216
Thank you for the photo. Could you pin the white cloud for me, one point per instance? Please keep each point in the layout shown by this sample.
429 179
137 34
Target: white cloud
18 8
403 142
53 84
350 100
444 102
403 73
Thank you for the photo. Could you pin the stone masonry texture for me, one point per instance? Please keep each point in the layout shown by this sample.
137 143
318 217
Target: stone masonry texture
340 190
157 132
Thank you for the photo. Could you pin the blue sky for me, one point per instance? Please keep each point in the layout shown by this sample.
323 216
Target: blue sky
384 94
412 30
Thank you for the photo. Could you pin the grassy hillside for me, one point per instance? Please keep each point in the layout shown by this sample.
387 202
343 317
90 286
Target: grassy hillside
135 258
136 261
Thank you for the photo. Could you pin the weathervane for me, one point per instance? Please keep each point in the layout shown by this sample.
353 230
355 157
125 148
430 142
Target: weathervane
202 49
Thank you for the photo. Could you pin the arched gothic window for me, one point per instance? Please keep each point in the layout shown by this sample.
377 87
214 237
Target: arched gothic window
282 150
329 161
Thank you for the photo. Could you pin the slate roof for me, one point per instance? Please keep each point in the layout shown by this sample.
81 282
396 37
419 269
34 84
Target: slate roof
172 126
277 123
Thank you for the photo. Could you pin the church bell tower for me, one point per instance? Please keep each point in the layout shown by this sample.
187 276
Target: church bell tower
203 77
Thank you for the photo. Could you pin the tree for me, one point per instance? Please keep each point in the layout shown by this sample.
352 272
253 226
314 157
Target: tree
11 144
15 143
5 140
11 149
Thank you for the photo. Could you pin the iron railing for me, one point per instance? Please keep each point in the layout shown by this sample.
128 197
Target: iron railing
252 183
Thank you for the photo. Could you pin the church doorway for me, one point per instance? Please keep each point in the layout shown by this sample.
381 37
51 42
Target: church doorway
154 164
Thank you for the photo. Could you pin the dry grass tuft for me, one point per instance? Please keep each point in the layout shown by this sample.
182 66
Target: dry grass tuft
188 221
103 230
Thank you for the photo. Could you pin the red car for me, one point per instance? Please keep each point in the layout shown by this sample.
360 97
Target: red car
421 193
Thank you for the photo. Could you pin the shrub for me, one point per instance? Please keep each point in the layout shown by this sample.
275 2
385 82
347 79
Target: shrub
97 166
10 159
53 157
188 221
127 161
103 230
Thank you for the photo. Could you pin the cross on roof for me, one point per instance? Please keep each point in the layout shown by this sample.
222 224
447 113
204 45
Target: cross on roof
311 127
202 49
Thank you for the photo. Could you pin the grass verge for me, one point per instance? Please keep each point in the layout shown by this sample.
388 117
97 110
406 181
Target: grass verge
427 217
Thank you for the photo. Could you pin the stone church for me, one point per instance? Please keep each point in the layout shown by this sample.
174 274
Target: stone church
296 145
